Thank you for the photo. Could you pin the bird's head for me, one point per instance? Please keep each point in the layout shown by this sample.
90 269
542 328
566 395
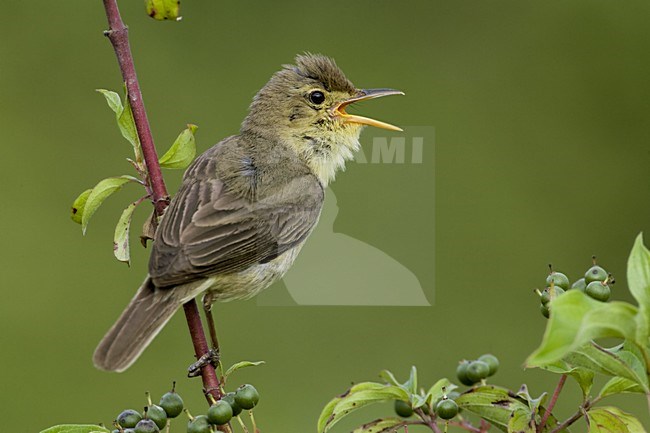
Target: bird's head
304 107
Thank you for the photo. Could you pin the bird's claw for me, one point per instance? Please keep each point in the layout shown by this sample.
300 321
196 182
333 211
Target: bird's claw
211 357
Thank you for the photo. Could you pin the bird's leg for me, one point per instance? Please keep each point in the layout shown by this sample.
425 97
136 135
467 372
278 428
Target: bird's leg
212 356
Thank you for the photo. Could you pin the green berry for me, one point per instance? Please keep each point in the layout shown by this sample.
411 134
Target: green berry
172 403
546 311
581 285
558 279
403 409
247 396
492 362
146 426
129 418
595 273
158 415
477 371
447 409
199 424
549 294
220 413
461 373
230 398
598 291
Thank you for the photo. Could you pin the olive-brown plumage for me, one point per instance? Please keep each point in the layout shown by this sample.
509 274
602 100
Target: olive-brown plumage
247 205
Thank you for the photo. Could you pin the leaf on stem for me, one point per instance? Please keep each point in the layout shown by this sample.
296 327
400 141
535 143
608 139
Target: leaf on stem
577 319
76 428
242 364
611 419
358 396
126 123
638 278
616 362
497 405
583 376
99 193
620 385
383 425
182 152
162 10
121 248
78 206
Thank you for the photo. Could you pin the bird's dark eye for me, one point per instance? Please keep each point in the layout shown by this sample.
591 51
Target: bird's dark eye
317 97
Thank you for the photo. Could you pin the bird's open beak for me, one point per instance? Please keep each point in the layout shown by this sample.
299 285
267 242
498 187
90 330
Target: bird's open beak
363 95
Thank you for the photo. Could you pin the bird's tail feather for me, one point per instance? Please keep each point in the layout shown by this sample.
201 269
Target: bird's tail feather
149 310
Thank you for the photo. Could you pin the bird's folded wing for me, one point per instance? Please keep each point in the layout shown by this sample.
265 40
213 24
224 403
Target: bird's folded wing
208 231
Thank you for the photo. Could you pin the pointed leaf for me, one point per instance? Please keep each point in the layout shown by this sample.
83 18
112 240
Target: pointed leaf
76 428
182 152
386 425
620 385
101 192
521 422
583 376
121 248
496 405
358 396
113 100
611 362
411 384
577 319
389 377
613 420
638 278
79 205
126 123
242 364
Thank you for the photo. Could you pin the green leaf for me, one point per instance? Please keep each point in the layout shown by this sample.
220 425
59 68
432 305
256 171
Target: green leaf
584 377
126 123
79 205
358 396
182 152
436 391
611 362
113 100
242 364
389 377
385 425
411 384
521 422
575 320
493 404
496 405
76 428
638 278
612 420
121 248
620 385
101 192
161 10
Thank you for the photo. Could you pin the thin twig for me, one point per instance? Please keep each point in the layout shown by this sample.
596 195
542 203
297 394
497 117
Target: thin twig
465 426
118 34
155 184
551 404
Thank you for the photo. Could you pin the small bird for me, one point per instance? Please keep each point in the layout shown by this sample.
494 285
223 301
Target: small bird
246 206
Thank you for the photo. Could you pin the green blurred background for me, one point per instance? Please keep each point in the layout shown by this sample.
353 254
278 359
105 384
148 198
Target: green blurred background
542 121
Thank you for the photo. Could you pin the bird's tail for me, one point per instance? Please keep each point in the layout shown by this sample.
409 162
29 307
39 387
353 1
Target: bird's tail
149 310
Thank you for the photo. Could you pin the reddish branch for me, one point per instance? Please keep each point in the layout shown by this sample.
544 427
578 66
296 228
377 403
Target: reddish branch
118 35
551 404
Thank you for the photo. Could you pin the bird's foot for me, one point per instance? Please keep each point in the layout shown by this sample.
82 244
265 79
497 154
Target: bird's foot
211 357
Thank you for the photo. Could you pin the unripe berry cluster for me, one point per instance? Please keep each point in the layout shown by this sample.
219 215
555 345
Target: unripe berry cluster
596 284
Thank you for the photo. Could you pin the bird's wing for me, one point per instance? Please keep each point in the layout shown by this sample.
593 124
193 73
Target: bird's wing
208 230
